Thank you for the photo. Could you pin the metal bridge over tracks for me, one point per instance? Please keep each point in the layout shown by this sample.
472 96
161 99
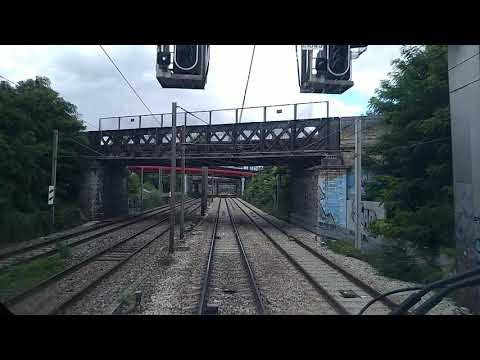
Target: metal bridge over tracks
288 135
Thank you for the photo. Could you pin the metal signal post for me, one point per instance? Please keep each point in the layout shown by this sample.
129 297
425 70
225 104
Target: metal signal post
54 174
182 192
173 170
358 181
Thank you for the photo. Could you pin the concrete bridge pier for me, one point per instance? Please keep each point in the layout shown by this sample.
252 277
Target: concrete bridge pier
317 196
464 86
104 191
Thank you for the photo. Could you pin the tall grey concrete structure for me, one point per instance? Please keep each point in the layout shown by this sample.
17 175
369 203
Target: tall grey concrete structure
104 191
464 84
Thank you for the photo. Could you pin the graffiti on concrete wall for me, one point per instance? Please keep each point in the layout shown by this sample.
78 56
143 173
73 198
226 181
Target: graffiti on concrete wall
332 190
369 212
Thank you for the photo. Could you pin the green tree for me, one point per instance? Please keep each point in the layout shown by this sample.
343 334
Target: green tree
260 190
413 160
133 185
29 113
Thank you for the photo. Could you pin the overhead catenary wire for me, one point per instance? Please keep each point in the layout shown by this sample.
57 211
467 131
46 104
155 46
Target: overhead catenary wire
10 81
16 84
79 143
130 85
88 122
298 67
195 116
334 132
246 85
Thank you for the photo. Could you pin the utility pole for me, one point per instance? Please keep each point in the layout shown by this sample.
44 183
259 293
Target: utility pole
358 181
204 189
182 187
160 181
141 188
277 191
173 170
54 174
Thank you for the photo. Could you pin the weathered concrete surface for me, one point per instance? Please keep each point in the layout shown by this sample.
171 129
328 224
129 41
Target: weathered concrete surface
369 212
318 197
115 189
91 193
464 85
104 191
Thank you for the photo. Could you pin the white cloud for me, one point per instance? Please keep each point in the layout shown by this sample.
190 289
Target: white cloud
373 66
84 76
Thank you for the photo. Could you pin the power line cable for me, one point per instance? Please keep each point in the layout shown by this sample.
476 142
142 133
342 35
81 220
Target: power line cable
420 143
83 145
365 129
298 67
188 112
88 122
130 85
3 77
246 85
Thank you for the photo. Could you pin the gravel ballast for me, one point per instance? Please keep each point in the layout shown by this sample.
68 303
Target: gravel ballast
283 288
133 276
361 269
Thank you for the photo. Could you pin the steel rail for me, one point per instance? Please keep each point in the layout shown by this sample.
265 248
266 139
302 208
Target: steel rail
64 304
10 252
39 286
135 219
320 289
251 275
367 288
206 280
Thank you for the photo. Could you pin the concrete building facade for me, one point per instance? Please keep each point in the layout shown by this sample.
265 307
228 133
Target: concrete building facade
464 86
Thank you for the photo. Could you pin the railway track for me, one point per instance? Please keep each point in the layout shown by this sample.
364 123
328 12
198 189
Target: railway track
229 284
49 247
341 289
57 293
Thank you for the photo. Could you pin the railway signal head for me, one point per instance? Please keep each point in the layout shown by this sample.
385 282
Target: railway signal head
328 68
182 66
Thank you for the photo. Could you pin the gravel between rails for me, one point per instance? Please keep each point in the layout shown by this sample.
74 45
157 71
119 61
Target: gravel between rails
328 278
107 293
175 289
284 289
45 300
361 269
81 252
229 286
77 248
89 227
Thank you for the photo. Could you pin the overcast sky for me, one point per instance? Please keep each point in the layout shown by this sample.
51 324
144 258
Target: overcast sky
84 76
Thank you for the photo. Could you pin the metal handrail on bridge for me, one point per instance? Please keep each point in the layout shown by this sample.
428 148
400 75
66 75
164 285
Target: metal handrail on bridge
209 112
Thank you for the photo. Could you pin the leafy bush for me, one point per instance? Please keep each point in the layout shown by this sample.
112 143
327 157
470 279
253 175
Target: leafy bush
19 226
345 248
413 164
396 260
17 278
63 249
260 190
29 113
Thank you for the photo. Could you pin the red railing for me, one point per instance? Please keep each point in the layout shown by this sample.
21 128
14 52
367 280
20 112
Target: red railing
195 170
